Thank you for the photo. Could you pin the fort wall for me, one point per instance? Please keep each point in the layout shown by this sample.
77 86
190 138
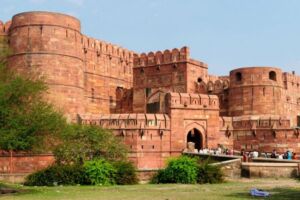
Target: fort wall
82 73
170 71
193 111
146 135
255 91
165 98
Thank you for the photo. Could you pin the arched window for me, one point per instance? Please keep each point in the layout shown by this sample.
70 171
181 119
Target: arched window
238 76
272 76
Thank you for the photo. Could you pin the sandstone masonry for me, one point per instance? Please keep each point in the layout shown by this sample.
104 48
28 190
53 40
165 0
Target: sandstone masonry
157 101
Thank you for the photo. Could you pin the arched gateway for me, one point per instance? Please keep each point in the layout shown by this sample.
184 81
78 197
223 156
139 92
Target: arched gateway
195 136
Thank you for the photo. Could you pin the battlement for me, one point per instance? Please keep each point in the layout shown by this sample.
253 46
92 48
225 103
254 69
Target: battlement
158 58
129 121
4 27
291 77
102 48
192 101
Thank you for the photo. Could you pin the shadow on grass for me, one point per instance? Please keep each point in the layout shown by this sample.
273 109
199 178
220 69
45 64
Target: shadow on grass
276 194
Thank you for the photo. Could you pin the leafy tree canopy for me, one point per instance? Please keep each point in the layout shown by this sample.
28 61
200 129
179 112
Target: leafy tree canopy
26 119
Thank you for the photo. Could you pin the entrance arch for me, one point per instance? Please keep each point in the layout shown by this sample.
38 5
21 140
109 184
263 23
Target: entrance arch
195 136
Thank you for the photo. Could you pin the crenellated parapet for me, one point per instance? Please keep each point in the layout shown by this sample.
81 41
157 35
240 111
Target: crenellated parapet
192 101
137 121
212 84
291 80
4 27
104 49
160 58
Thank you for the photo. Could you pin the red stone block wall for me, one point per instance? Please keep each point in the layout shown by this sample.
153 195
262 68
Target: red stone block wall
45 45
83 73
291 97
107 67
252 92
147 136
168 71
265 140
24 163
193 111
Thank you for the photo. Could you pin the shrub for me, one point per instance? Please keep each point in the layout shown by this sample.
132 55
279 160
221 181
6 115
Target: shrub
100 172
82 143
208 173
179 170
58 175
126 173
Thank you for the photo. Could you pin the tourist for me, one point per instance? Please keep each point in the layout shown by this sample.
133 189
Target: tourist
294 156
242 152
201 151
289 155
255 154
219 150
273 155
280 156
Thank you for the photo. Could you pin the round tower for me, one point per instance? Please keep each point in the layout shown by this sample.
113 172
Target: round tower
48 45
255 91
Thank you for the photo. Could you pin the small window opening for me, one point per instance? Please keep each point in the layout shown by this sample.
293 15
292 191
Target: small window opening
148 92
238 76
199 80
272 76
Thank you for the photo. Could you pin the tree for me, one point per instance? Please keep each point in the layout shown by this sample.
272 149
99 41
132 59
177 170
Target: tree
82 143
26 118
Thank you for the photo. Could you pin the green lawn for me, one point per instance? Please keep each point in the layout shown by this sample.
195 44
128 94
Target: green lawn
283 189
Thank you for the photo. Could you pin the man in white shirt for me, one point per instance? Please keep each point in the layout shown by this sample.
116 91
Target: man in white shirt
255 154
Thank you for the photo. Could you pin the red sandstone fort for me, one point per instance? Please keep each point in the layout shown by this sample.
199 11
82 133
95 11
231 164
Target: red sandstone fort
157 101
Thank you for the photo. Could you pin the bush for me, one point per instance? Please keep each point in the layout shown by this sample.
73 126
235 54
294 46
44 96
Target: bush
126 173
100 172
208 173
81 143
58 175
179 170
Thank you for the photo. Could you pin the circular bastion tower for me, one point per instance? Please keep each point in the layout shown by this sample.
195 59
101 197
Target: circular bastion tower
255 91
48 45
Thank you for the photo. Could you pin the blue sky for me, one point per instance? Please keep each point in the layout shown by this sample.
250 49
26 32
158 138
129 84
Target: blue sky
225 34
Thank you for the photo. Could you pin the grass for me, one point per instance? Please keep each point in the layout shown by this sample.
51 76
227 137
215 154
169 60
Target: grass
283 189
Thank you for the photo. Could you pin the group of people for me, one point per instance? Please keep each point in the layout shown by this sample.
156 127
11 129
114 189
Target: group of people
218 151
221 150
289 155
